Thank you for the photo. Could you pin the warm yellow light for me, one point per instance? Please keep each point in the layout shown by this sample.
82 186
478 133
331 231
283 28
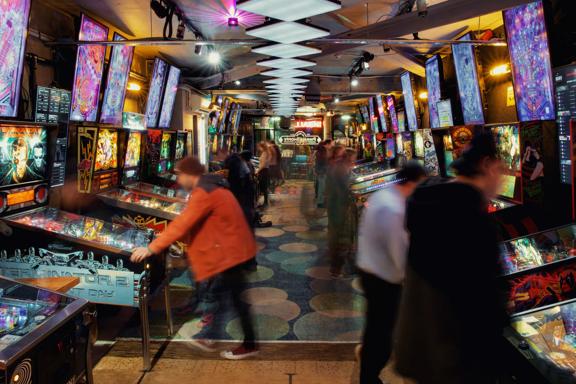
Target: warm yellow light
423 95
134 87
501 69
346 117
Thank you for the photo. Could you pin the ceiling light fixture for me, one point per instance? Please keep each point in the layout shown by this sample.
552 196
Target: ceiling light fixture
237 82
286 51
286 73
286 80
287 32
286 63
354 82
336 100
289 10
214 57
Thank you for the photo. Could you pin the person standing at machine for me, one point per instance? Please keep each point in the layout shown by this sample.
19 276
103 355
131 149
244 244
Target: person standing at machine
453 310
220 243
382 250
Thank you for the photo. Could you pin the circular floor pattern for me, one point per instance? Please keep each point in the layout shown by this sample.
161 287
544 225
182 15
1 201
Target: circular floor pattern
269 232
264 296
287 310
260 246
318 327
261 274
268 328
321 273
357 285
296 228
298 247
330 286
278 256
338 304
298 265
312 235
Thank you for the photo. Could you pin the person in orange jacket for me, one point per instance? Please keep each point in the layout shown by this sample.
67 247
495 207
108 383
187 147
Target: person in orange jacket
219 243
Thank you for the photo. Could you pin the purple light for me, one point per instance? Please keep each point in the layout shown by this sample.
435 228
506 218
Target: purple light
232 21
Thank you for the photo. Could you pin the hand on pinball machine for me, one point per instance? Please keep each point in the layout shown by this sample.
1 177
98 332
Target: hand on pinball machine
140 254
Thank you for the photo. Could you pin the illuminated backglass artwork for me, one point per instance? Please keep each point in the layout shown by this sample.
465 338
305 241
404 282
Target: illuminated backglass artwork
468 86
169 97
23 154
88 74
155 93
392 111
409 101
381 113
180 146
13 29
434 91
115 92
106 150
530 60
133 149
507 142
165 146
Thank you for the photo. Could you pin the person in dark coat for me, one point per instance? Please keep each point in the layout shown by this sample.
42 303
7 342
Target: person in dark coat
453 310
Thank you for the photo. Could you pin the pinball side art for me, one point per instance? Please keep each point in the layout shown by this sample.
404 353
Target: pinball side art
86 156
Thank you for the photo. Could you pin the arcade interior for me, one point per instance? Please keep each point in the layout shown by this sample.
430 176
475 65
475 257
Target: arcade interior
99 100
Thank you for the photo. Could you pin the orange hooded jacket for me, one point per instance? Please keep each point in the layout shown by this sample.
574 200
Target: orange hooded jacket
214 228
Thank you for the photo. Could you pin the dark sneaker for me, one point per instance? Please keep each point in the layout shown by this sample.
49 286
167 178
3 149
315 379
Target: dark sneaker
240 353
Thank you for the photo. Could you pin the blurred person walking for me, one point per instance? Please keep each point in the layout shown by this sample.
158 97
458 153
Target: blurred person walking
220 243
340 207
276 173
452 313
263 172
382 252
321 168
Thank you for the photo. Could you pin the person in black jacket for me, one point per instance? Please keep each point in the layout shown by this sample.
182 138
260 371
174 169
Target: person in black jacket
452 312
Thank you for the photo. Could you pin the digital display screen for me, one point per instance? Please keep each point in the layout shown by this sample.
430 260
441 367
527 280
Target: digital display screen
134 121
381 113
434 90
508 187
165 146
409 101
23 154
468 86
445 113
169 97
392 111
133 149
89 69
565 85
52 105
13 29
106 150
530 60
115 92
155 92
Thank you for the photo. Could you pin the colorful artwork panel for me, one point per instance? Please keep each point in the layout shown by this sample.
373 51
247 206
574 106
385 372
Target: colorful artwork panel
392 111
434 90
155 93
115 92
169 97
468 86
89 69
409 101
165 146
106 150
23 154
13 29
133 149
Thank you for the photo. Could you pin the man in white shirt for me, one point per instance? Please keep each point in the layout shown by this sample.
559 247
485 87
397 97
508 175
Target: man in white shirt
382 251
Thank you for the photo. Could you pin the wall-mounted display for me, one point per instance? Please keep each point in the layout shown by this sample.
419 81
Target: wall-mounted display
52 105
381 113
444 109
155 92
468 84
115 92
169 97
23 155
530 61
409 101
88 73
390 103
565 85
433 79
13 29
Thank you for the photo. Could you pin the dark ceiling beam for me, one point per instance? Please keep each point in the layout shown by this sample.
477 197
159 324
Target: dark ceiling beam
237 73
341 85
448 12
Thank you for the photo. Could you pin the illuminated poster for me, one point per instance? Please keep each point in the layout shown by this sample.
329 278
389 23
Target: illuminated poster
507 142
430 157
468 86
169 97
392 112
155 93
418 143
434 91
530 59
409 101
381 113
373 125
89 68
401 121
165 146
133 150
408 145
115 92
23 154
13 29
106 150
444 109
180 146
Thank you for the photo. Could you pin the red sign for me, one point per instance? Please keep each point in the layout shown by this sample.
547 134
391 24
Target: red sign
309 126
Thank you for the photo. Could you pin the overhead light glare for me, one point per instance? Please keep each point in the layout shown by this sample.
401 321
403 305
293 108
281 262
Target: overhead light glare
214 57
499 70
289 10
354 82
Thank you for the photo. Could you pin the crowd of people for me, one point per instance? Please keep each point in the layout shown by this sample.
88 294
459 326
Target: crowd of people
426 297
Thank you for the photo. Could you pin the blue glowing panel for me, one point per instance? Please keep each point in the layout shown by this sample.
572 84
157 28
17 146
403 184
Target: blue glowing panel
434 90
468 86
169 97
155 93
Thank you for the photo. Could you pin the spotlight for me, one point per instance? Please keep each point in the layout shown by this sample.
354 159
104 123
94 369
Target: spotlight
214 57
337 100
365 65
237 82
232 21
423 95
354 82
134 87
160 10
501 69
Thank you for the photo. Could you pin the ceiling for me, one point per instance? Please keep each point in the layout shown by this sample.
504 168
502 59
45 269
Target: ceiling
135 19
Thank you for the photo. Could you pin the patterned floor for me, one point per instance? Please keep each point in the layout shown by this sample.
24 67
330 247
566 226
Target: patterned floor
291 294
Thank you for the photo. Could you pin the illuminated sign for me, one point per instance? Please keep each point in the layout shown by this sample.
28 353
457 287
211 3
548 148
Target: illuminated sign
300 138
308 124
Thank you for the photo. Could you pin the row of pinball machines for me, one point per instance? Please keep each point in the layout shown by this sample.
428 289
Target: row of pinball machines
42 241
